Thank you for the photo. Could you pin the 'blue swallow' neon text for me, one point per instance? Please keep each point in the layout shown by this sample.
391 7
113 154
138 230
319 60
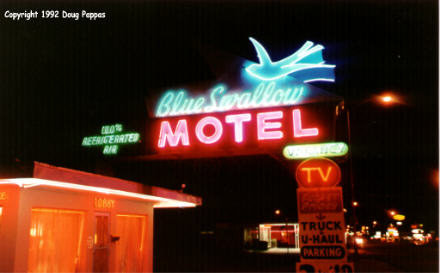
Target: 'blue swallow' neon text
220 99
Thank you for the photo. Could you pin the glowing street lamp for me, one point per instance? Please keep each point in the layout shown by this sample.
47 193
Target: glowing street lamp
388 99
286 221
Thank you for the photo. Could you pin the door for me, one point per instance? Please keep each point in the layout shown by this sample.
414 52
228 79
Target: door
101 246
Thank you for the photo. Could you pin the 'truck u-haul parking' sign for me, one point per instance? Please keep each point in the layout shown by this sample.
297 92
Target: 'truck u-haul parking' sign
321 224
321 218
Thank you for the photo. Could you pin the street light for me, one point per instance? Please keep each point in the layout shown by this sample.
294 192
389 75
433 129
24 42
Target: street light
350 177
286 220
385 99
388 99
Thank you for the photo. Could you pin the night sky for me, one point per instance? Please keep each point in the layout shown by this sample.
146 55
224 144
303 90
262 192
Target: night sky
60 80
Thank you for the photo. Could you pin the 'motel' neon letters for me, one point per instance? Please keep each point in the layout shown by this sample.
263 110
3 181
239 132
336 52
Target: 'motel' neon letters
269 126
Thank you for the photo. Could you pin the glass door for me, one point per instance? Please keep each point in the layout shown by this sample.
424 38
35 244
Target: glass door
101 246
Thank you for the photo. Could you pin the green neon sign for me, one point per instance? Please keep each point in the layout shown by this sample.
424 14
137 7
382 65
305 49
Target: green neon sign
330 149
111 137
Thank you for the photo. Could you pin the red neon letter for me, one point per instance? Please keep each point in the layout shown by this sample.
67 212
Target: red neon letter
209 121
325 178
263 125
298 131
321 173
166 134
308 170
238 124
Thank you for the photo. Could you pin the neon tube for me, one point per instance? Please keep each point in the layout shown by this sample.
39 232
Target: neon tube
166 134
238 120
331 149
35 182
263 124
298 131
217 133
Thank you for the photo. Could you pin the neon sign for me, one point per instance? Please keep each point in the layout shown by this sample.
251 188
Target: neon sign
306 65
111 137
315 150
263 107
318 172
399 217
266 94
211 130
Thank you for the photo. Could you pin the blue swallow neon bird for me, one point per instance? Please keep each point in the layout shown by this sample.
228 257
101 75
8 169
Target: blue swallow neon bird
306 64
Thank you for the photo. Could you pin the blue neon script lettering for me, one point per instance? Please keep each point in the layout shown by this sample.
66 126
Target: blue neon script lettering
266 94
306 65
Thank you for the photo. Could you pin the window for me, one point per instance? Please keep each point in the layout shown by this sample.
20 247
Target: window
130 246
55 240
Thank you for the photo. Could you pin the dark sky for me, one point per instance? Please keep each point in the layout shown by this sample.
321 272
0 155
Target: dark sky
61 79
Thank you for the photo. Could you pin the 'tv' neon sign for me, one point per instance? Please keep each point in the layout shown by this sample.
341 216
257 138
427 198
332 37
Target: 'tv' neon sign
306 65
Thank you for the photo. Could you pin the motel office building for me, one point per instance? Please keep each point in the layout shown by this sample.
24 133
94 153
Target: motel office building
63 220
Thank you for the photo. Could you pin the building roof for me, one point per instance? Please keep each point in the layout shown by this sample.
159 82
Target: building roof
45 175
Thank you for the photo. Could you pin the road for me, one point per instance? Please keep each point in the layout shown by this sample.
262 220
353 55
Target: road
400 257
374 257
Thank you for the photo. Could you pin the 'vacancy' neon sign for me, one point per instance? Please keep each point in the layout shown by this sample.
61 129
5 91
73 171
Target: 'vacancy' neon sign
332 149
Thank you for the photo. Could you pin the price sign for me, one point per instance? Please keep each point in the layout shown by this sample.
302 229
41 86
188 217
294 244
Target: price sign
324 267
320 200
